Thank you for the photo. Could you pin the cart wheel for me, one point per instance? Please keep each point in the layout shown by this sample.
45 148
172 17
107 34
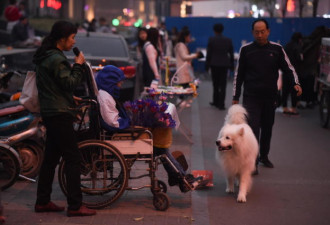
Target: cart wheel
162 186
161 201
324 109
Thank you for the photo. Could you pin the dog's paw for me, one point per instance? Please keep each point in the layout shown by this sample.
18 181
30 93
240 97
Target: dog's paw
241 198
229 190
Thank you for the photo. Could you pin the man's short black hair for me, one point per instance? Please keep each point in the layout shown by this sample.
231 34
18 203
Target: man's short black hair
218 28
260 20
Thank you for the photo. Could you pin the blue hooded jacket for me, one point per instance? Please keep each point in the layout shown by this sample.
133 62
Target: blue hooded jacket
107 80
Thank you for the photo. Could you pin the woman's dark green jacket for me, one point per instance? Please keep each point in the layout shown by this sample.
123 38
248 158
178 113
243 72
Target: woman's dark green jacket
56 82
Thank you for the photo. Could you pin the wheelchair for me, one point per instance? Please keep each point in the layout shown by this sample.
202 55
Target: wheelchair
107 159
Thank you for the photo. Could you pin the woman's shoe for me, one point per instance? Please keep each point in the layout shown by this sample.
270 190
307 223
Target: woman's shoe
49 207
294 113
82 211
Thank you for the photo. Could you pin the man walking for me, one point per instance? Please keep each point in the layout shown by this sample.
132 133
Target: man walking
220 58
257 68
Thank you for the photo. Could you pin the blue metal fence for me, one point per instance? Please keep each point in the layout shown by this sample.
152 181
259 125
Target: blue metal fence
239 29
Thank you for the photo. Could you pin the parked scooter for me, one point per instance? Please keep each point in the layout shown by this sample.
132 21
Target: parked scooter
21 129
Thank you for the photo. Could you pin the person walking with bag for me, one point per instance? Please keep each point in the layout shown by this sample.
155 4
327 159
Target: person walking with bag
56 81
220 58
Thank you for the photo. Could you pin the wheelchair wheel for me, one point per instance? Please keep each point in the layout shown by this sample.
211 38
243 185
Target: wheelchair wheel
325 109
162 186
10 167
161 201
104 174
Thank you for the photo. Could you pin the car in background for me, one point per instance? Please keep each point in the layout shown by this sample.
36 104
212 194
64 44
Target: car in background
101 49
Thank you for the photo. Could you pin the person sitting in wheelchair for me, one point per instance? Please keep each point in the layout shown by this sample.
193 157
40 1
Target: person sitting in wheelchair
114 118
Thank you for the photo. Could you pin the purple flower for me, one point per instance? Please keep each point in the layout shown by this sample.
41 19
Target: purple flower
149 113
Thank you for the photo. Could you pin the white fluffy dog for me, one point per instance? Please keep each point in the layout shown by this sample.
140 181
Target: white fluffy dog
237 151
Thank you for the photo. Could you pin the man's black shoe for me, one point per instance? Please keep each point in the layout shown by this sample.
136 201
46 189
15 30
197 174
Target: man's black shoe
255 172
266 162
222 108
213 104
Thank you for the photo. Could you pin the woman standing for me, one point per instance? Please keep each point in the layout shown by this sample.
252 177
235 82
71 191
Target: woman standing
142 36
56 81
183 59
150 59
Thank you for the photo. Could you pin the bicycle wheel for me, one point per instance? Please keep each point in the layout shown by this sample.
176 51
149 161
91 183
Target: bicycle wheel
9 166
324 109
104 174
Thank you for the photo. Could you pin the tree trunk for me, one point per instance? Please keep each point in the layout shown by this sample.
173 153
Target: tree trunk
3 5
271 13
284 5
315 5
301 8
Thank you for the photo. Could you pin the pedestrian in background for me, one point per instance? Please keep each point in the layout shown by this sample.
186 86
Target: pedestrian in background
185 73
103 26
142 36
56 82
258 66
12 14
92 25
220 58
294 51
23 35
151 58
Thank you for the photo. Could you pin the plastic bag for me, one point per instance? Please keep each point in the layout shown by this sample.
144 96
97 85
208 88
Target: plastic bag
29 97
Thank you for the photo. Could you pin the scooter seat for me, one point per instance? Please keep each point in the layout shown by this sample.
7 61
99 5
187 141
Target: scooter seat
11 110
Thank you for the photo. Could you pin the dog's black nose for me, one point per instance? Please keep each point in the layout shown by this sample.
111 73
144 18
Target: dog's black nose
217 143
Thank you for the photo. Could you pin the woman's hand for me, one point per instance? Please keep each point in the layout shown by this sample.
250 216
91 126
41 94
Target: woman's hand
80 59
76 100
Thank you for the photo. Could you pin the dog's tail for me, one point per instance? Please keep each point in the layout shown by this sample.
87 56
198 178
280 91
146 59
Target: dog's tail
237 114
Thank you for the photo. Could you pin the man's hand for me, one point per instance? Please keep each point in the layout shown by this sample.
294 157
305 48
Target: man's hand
235 102
298 89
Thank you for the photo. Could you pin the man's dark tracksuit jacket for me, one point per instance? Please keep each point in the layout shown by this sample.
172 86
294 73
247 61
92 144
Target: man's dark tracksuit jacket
258 68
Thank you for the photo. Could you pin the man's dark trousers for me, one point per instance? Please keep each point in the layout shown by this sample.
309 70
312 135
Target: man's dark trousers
261 117
219 79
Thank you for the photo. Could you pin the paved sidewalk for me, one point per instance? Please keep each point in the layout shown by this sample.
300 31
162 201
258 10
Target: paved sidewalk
134 207
296 191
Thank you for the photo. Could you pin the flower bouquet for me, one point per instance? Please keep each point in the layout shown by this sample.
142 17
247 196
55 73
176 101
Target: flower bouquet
151 113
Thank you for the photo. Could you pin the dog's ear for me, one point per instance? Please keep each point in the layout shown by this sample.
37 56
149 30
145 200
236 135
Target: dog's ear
241 131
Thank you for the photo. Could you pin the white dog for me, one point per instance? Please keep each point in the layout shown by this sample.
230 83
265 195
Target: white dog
237 151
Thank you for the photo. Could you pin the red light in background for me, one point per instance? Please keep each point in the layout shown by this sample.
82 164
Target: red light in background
51 4
54 4
129 71
290 6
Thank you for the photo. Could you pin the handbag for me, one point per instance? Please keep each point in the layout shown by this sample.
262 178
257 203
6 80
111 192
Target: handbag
29 96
